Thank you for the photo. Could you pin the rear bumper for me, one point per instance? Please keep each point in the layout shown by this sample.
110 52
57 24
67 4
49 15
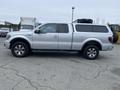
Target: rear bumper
7 44
107 47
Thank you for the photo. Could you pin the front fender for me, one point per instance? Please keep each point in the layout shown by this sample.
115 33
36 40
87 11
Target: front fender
28 39
20 37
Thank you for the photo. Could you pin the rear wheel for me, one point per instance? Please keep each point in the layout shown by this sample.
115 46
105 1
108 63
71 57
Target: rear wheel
91 52
20 49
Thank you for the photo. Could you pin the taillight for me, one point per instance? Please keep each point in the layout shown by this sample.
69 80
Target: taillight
110 39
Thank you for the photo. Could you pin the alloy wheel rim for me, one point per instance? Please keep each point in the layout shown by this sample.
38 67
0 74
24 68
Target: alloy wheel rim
19 50
91 52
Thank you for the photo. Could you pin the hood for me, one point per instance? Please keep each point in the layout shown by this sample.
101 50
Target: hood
22 32
25 29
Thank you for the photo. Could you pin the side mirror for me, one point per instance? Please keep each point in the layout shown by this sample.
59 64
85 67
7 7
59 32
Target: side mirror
37 31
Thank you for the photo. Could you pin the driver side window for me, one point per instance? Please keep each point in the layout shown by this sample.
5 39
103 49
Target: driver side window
48 28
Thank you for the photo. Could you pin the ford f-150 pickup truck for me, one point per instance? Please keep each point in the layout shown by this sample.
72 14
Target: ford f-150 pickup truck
86 38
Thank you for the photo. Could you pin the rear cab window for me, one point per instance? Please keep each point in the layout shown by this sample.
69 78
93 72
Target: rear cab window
102 29
91 28
83 28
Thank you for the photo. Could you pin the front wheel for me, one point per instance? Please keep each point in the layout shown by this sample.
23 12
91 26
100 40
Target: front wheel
91 52
20 49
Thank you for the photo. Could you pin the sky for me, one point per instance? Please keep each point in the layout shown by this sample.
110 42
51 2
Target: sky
101 11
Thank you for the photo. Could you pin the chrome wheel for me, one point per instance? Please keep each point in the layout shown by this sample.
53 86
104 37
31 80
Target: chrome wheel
19 50
92 52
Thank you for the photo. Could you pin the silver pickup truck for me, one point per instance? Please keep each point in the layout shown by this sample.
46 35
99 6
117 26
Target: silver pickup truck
88 39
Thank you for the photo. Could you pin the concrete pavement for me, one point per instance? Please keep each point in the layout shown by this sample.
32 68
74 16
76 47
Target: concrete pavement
59 71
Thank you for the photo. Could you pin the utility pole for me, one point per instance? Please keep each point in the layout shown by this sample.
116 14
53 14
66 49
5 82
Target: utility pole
72 14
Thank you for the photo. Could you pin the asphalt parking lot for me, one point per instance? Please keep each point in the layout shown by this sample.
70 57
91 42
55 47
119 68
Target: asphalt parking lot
59 71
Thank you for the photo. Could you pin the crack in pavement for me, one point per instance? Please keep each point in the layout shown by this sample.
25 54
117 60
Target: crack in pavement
88 63
96 65
101 71
17 74
45 86
28 80
32 84
13 88
6 64
25 78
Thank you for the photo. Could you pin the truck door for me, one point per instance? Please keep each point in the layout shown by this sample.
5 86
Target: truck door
65 36
45 37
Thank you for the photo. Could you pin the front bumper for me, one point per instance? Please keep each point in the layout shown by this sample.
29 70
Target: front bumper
7 44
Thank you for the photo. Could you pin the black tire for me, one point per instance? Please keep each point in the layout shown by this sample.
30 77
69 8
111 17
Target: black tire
91 52
20 49
79 52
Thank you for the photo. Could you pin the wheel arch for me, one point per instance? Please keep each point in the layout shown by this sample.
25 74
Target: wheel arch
92 42
21 40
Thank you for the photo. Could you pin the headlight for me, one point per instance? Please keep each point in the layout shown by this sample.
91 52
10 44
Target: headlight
8 36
